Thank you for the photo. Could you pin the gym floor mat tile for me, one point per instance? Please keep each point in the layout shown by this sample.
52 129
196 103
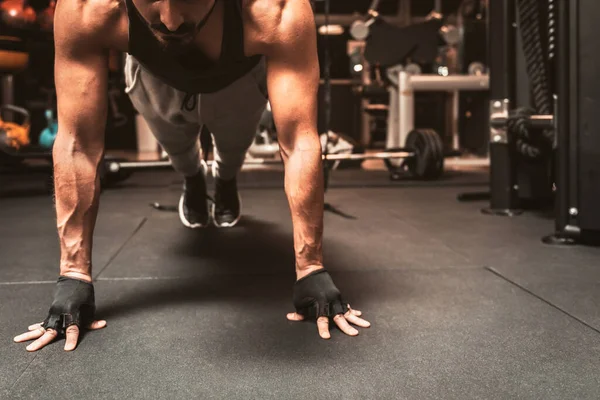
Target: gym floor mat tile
263 242
573 287
29 243
451 334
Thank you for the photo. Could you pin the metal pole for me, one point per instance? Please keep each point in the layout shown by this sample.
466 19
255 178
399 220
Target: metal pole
449 83
366 118
406 104
8 91
563 184
503 183
8 95
116 166
454 118
392 120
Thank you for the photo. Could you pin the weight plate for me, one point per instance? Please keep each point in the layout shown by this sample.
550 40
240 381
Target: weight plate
417 164
436 166
428 162
436 163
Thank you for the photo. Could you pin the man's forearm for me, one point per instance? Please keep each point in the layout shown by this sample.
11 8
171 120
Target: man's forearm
305 193
77 190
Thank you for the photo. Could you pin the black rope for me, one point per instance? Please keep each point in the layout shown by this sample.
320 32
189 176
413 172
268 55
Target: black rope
518 125
537 70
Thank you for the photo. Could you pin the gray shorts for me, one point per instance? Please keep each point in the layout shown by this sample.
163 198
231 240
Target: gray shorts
231 114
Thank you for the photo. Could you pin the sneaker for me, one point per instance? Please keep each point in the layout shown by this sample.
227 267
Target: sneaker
226 209
193 204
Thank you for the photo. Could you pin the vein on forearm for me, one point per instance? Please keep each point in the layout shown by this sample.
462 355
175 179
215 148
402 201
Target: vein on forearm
304 188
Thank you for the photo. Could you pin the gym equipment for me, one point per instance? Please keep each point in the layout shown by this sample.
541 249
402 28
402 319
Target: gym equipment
577 139
16 15
522 139
338 143
13 58
48 135
559 132
476 68
500 120
111 175
264 144
360 29
13 136
428 162
415 45
402 104
424 161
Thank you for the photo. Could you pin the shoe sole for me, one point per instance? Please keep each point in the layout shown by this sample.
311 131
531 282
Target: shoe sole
182 217
226 224
213 208
184 220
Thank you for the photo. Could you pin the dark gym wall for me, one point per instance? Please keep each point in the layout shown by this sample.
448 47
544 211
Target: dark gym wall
345 7
588 133
473 118
421 8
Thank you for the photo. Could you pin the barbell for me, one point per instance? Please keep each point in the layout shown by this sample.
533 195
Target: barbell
423 158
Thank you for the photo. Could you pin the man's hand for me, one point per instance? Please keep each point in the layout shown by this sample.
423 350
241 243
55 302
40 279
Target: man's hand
47 336
316 296
340 320
73 307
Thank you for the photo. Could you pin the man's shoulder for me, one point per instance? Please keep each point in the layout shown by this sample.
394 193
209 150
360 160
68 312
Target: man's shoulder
263 14
89 19
272 20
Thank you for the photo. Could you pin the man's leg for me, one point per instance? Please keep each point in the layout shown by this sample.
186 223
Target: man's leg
176 127
232 115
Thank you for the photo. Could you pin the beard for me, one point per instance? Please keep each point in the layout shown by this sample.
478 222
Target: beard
176 43
175 46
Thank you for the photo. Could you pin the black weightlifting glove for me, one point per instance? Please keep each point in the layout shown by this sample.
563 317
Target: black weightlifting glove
74 304
315 295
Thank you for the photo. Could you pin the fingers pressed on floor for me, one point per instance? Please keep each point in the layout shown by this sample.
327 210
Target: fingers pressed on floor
323 326
46 338
358 321
35 326
341 322
72 337
295 317
97 325
31 335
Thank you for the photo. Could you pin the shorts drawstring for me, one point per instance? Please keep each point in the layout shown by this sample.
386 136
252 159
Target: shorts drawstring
189 102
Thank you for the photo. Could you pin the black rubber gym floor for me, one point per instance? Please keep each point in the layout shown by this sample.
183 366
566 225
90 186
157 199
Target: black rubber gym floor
462 305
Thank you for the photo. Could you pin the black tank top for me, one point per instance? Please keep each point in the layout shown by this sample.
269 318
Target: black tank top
206 76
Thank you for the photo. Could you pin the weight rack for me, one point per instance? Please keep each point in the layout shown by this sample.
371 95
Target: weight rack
573 59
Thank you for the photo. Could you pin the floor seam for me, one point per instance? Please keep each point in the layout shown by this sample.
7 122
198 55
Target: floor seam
112 258
26 283
21 374
531 293
148 278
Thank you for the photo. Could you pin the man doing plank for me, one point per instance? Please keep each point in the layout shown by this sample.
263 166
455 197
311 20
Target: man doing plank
190 63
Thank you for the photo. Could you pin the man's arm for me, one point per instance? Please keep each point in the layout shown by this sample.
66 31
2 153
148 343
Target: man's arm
293 81
81 73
